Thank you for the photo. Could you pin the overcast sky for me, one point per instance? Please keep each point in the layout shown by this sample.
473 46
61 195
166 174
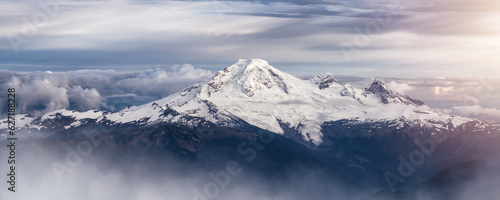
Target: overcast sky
407 38
109 54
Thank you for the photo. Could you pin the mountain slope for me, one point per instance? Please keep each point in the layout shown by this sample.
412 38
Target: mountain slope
257 93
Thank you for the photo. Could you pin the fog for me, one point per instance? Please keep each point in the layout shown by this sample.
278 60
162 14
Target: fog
104 174
73 167
90 180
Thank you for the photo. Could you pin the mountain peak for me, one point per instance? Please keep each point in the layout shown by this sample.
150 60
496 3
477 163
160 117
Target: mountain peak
327 82
249 76
249 63
378 87
386 95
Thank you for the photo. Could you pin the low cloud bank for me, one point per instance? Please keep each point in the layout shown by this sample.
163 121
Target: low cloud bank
42 92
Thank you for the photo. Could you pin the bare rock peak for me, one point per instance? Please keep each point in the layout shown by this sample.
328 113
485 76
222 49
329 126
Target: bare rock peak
386 95
327 82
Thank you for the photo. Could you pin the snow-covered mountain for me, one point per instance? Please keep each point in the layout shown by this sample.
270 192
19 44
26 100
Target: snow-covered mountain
263 96
356 134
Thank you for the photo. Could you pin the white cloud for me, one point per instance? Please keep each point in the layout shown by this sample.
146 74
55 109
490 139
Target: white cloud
137 33
158 83
399 87
84 99
477 111
41 92
38 96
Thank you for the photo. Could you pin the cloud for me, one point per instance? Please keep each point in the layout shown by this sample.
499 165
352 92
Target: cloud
449 92
471 97
38 96
399 87
83 99
160 83
477 111
119 35
42 92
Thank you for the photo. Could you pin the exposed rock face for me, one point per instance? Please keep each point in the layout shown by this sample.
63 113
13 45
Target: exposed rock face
327 82
386 95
